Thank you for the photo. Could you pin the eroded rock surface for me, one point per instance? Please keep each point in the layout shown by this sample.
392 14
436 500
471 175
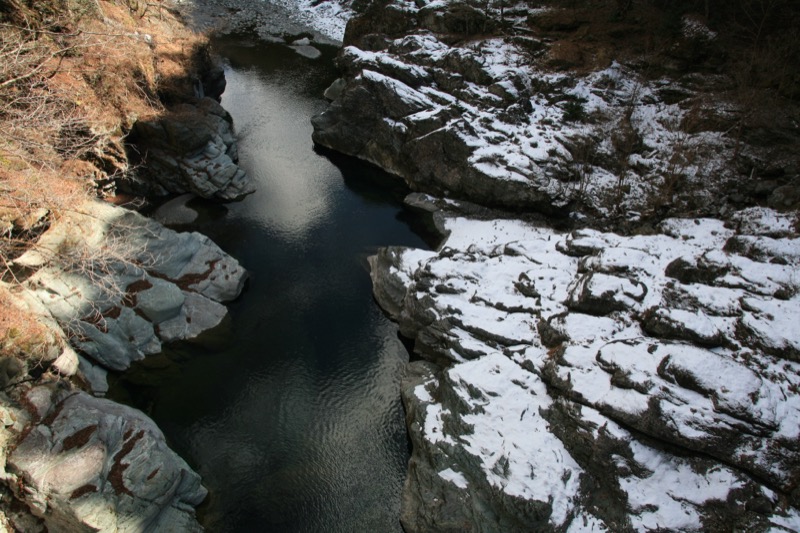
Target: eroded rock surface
89 464
190 149
512 109
593 381
120 284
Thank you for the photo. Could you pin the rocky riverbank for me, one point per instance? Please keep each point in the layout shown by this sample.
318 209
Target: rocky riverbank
584 379
516 108
593 381
95 287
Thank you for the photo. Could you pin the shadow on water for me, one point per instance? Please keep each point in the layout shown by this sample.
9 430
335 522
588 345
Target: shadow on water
291 410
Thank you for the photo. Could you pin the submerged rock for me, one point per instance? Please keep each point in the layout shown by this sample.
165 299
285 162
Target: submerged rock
578 385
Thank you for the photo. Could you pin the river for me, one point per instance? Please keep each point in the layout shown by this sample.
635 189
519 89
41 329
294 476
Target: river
291 413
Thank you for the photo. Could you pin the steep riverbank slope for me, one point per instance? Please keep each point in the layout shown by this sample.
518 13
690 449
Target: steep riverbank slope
98 98
612 348
580 110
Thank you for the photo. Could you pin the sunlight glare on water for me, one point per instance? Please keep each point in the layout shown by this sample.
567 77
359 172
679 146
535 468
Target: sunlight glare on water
293 417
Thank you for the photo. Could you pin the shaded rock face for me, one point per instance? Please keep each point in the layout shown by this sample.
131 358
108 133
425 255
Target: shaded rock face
132 285
388 113
583 381
190 149
88 464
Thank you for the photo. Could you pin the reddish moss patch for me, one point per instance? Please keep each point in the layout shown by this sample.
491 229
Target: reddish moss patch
115 476
187 280
28 406
79 438
53 414
82 491
114 312
130 300
153 474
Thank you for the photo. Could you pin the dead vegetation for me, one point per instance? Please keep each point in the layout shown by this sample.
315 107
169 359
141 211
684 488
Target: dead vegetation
75 75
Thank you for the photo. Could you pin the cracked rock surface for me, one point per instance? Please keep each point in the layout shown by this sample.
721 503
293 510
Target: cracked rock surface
588 380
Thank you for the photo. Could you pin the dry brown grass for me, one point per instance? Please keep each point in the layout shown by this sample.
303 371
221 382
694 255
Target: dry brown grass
75 75
22 335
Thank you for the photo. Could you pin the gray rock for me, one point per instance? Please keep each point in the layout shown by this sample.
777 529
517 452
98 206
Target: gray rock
191 149
88 464
335 89
176 211
160 302
154 285
566 396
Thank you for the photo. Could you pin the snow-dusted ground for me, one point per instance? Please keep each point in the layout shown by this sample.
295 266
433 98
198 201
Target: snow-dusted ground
684 336
272 20
328 17
609 140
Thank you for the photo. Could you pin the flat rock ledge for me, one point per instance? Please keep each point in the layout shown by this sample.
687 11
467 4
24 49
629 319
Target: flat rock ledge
589 381
192 148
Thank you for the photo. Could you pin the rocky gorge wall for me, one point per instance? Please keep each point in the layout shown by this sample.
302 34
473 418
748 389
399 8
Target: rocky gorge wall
108 286
517 108
581 379
590 381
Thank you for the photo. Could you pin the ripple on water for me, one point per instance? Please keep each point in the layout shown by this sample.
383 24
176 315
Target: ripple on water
296 422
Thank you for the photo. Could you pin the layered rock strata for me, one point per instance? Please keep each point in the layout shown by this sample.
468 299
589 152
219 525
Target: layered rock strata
120 284
589 381
89 464
117 285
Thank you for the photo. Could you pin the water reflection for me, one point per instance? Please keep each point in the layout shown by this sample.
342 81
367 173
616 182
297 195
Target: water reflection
294 419
294 193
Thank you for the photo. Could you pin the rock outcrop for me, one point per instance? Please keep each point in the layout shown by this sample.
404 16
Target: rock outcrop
120 284
592 381
88 464
465 100
117 285
190 149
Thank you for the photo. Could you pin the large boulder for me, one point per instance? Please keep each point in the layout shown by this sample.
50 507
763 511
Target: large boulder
89 464
573 381
120 284
191 148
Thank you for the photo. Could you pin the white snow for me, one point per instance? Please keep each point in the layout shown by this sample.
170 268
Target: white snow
495 280
456 478
519 455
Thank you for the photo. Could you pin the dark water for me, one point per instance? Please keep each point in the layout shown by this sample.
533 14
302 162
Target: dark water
292 416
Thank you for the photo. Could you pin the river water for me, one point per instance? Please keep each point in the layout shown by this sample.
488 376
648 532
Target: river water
291 413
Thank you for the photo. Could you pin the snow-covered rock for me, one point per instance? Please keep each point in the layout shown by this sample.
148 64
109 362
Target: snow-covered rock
590 380
438 94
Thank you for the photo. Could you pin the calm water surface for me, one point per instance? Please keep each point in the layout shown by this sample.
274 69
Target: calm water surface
292 414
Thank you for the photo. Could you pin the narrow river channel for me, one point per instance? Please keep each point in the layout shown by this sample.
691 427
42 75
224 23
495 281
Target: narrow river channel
292 415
